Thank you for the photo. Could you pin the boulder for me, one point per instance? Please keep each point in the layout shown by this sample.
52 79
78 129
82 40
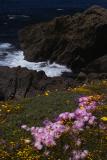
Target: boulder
17 82
82 76
93 76
103 76
74 41
68 75
98 66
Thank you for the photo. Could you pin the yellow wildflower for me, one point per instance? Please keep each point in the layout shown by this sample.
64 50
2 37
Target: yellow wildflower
8 110
104 118
46 93
81 107
27 141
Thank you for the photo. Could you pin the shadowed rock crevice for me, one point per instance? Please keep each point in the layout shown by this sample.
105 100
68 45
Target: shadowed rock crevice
99 48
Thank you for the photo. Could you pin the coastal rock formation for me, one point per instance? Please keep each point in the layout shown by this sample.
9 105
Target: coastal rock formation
16 83
98 66
72 40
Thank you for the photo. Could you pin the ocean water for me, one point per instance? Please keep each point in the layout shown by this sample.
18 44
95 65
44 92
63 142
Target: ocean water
11 57
16 14
10 53
28 6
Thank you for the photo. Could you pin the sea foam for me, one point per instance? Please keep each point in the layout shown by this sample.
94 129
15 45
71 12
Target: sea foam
15 58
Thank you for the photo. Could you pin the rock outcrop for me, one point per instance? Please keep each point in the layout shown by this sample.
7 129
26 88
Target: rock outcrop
99 65
72 40
17 83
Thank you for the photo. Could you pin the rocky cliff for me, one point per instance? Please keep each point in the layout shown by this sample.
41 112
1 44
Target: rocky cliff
72 40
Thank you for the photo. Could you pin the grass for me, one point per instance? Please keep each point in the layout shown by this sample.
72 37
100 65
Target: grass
34 110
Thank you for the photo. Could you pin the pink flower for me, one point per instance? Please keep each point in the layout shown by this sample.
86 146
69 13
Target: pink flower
85 118
78 142
46 153
64 116
25 127
84 154
92 120
80 112
38 146
71 116
80 119
78 125
66 147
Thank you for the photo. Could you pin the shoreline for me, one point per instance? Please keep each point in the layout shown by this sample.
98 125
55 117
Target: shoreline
47 42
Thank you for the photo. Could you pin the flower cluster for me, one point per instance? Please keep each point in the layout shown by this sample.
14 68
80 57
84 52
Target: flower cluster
71 123
48 134
10 108
79 154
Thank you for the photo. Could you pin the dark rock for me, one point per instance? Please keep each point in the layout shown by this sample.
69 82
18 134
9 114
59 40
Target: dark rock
72 40
98 66
92 76
18 82
67 74
82 76
41 74
103 76
2 96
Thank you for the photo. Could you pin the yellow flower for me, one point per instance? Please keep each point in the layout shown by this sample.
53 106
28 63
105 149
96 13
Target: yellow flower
104 118
8 110
81 107
46 93
27 141
104 82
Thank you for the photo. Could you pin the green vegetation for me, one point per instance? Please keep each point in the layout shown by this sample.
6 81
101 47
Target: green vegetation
15 143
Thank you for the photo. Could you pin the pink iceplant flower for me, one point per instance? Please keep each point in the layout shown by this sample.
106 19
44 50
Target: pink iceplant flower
79 154
80 119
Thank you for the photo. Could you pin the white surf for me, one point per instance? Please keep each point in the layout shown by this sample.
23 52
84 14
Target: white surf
11 57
